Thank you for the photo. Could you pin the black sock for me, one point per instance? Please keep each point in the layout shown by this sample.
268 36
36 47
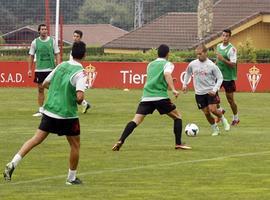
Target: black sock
128 130
177 129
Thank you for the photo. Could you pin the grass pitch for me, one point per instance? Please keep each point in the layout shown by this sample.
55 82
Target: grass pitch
234 165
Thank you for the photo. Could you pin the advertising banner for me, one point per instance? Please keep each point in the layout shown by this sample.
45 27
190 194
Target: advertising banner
251 77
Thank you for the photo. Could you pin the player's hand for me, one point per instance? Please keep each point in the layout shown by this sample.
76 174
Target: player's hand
175 93
212 93
220 57
29 73
184 89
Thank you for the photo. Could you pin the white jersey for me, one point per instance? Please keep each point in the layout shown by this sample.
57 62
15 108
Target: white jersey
207 77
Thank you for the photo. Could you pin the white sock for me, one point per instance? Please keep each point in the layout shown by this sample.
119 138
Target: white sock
41 109
71 175
223 119
84 103
16 159
235 117
214 126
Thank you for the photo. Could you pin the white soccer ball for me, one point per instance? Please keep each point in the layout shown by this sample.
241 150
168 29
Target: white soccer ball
191 130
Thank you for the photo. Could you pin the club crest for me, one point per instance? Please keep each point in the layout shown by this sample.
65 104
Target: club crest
91 74
254 77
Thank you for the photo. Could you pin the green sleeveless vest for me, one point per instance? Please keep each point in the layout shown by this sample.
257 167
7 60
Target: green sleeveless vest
62 94
156 85
229 73
45 54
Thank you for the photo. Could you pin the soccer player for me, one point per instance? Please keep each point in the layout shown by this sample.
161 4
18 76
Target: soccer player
207 80
155 96
226 61
45 50
66 85
77 36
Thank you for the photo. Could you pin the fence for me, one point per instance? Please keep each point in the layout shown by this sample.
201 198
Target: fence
138 25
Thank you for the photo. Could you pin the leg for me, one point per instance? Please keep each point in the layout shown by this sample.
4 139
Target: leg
31 143
213 109
208 115
26 148
74 142
230 98
40 95
177 129
136 121
211 121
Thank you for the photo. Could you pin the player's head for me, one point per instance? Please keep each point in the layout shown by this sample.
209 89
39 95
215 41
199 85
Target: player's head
163 51
226 34
201 52
77 35
78 50
42 30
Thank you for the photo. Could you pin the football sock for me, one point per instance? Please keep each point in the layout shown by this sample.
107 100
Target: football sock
214 126
128 130
177 129
84 103
223 119
71 175
41 109
235 117
16 159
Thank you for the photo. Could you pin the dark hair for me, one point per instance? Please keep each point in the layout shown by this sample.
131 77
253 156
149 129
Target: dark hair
163 51
80 33
78 50
39 26
202 47
228 31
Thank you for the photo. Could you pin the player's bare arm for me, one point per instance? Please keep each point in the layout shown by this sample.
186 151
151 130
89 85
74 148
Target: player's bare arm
30 64
80 97
221 58
169 80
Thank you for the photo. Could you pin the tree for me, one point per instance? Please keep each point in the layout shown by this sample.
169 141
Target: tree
113 12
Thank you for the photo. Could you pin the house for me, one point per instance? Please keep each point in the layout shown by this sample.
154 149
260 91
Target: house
93 34
183 31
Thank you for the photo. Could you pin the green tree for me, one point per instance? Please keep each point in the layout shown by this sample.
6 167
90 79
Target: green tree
113 12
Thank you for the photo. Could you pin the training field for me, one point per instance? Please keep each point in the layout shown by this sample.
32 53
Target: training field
234 165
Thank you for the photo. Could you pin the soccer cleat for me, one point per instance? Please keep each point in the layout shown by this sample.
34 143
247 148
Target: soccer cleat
182 146
75 182
117 146
226 125
217 120
235 122
85 108
8 171
216 131
37 114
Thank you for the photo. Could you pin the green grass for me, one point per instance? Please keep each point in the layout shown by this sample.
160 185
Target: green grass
235 165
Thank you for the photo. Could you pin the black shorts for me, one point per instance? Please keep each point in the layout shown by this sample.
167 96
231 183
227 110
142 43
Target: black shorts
40 76
68 127
205 100
163 106
229 86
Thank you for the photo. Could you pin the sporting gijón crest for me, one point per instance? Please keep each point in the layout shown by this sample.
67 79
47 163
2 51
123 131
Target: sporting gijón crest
254 77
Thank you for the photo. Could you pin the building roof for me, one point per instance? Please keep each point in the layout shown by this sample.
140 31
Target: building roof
179 30
93 34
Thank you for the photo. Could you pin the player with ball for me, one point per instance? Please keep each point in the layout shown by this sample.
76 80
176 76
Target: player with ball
207 79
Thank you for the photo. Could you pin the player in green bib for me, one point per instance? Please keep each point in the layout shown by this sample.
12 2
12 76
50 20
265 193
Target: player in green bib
227 63
44 51
66 85
155 97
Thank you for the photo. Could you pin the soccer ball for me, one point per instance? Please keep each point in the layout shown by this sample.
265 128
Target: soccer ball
191 130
